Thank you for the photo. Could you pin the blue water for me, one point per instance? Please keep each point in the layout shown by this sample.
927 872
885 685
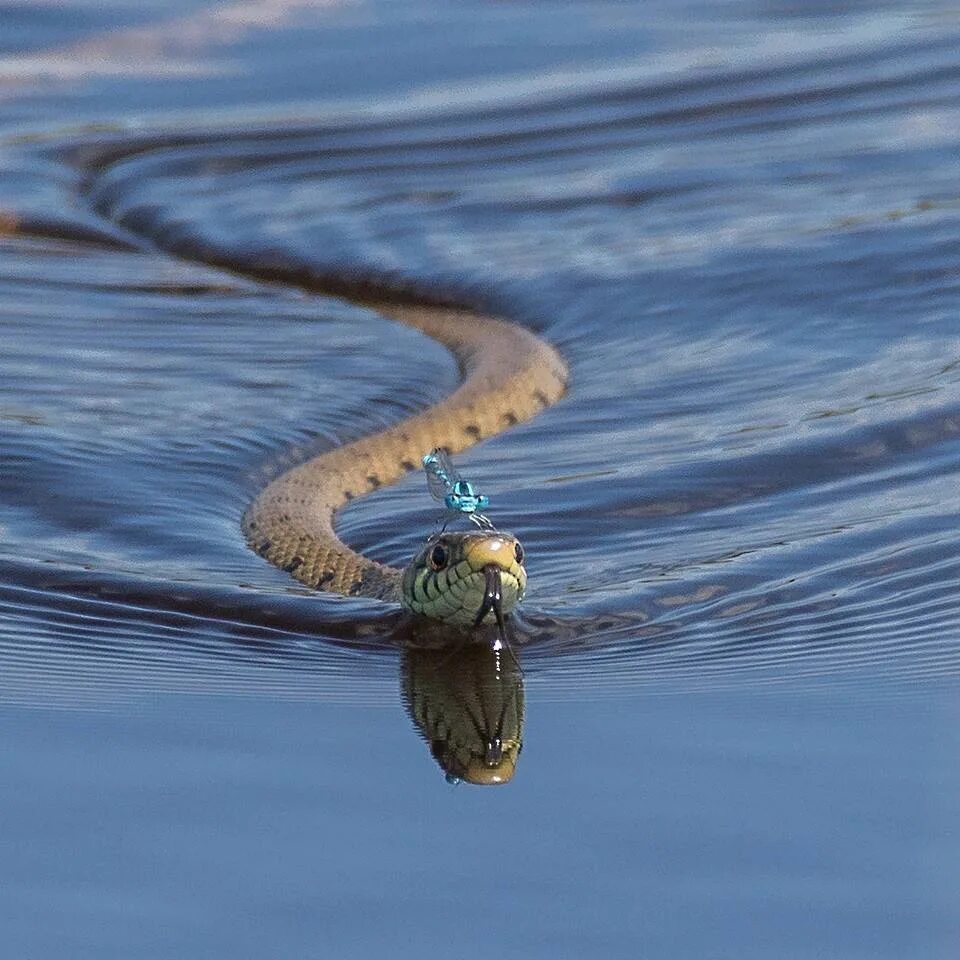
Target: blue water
738 223
247 828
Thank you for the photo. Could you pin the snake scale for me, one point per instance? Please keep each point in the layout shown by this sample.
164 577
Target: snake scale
509 375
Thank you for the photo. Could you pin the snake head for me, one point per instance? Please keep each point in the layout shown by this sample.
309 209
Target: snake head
466 579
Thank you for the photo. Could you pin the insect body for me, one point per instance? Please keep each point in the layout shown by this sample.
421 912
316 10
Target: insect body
455 493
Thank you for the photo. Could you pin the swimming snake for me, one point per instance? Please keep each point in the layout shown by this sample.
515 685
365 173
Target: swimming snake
462 579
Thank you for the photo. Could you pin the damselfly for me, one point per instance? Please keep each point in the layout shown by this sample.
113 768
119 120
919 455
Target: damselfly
455 493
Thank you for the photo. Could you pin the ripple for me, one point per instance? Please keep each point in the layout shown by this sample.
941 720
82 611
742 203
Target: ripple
751 267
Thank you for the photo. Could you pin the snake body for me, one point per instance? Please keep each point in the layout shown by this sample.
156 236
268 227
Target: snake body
509 375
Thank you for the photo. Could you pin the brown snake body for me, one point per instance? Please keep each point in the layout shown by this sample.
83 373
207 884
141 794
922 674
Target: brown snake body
509 375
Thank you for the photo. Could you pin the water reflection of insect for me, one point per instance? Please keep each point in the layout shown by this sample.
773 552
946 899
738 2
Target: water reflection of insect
455 493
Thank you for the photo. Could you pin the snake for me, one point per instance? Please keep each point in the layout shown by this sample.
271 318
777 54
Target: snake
460 579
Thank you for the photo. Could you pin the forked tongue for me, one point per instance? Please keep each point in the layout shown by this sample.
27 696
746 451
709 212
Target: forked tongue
492 598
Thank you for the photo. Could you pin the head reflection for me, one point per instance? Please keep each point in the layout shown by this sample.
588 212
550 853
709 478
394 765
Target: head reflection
466 701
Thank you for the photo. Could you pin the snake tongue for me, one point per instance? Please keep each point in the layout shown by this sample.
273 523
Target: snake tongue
492 596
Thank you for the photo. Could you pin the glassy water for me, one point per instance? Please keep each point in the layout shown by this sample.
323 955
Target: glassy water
738 223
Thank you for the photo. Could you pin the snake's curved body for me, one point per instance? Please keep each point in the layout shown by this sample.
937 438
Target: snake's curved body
509 374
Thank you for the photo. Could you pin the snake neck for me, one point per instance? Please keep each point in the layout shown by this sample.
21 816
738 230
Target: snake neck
510 375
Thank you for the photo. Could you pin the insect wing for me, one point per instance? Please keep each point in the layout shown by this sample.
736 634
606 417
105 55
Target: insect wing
441 475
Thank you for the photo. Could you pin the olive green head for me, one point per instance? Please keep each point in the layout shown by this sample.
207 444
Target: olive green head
466 579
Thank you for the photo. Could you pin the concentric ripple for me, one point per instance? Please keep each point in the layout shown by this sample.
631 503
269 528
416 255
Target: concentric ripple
751 267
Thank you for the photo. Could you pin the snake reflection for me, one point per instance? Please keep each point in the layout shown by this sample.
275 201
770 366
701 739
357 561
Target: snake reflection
467 703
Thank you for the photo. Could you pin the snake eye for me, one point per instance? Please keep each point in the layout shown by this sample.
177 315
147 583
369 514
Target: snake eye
518 552
438 557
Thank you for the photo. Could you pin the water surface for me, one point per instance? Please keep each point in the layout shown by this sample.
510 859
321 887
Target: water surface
739 225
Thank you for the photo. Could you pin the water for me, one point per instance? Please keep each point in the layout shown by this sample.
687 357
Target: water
738 222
